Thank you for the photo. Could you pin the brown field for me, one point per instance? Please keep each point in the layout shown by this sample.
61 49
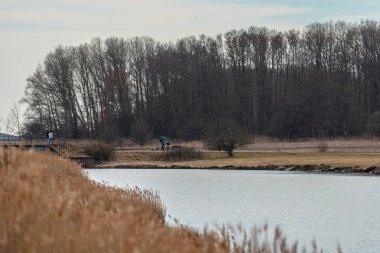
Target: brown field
266 144
257 144
249 159
49 205
262 151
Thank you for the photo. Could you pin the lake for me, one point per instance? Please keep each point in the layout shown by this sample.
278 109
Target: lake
325 207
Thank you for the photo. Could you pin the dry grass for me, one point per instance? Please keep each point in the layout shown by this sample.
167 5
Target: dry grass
249 159
265 144
68 150
180 154
339 152
125 143
351 144
48 205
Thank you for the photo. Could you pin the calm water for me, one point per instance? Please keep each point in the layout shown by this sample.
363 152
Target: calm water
327 208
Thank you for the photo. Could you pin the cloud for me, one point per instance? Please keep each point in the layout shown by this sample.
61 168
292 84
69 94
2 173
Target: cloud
357 18
136 16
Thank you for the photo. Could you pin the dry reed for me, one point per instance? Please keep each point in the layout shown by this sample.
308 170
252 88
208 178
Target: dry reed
49 205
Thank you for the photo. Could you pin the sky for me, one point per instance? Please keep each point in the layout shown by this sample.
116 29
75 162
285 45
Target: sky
30 29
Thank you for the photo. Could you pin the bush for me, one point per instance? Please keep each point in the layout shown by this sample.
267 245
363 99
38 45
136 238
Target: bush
100 152
181 154
227 135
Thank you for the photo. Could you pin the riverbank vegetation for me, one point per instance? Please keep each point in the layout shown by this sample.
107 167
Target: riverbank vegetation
48 205
354 154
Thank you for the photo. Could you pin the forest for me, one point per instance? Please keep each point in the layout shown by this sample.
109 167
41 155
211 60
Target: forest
320 81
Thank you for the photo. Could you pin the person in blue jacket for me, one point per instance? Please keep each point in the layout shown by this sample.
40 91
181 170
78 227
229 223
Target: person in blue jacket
163 142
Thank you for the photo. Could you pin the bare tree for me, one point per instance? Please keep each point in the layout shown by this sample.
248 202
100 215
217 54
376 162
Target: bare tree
14 120
226 135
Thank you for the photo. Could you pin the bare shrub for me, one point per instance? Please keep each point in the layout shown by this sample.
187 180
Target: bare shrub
100 152
226 135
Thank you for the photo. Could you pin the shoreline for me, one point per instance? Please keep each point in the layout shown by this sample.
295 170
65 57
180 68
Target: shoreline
308 162
313 169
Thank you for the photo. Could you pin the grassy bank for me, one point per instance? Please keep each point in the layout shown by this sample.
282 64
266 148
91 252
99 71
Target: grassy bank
353 154
48 205
250 159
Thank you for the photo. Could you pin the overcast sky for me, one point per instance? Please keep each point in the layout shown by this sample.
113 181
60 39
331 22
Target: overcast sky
29 29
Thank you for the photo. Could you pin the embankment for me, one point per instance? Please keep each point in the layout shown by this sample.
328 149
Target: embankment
49 205
363 163
370 170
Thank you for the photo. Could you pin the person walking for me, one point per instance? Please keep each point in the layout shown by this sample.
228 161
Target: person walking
50 139
163 142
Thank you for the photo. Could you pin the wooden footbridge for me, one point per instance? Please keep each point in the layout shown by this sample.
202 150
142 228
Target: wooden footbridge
36 143
40 144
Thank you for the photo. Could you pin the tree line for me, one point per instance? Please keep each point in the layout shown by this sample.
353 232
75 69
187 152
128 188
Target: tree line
323 80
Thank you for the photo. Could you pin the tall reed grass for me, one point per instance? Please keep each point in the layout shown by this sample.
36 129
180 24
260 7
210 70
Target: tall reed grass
49 205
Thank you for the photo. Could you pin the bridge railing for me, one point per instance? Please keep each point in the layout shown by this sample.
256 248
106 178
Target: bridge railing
29 140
